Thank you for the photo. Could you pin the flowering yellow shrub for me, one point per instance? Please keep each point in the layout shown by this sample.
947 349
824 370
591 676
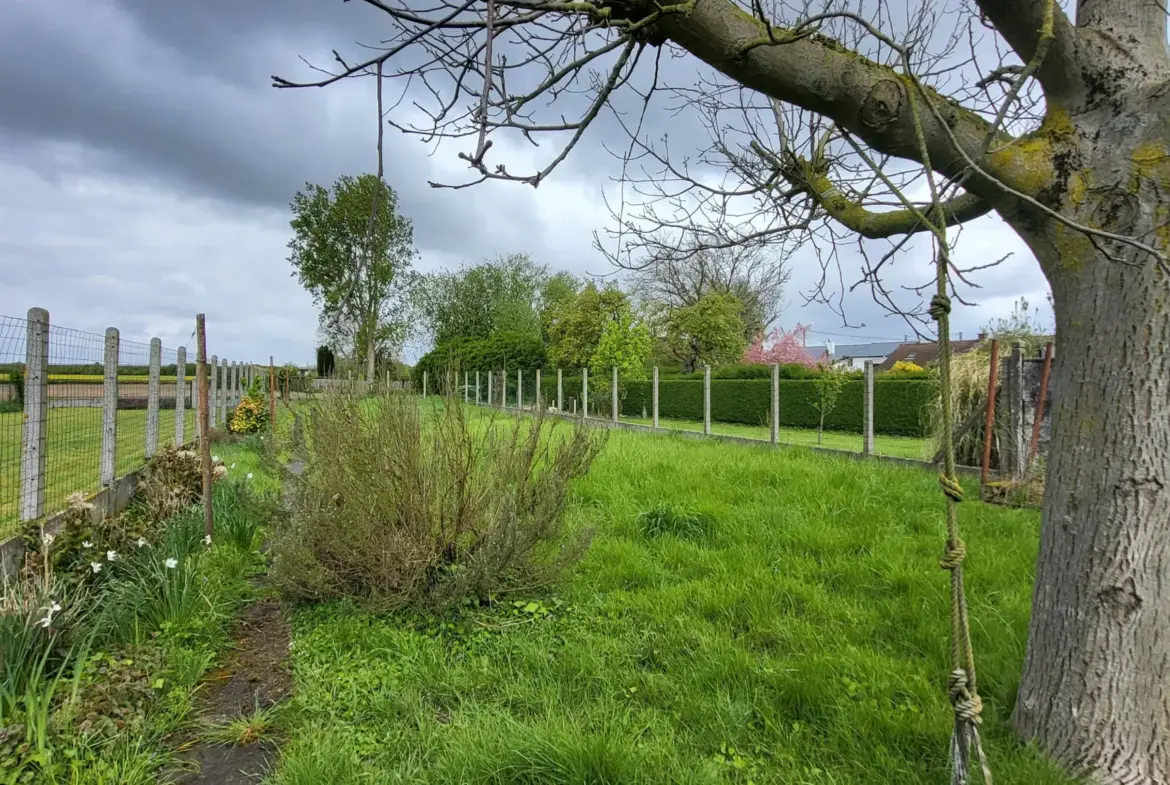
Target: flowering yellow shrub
250 416
906 365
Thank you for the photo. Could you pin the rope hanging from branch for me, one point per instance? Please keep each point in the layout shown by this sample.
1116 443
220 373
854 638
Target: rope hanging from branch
961 684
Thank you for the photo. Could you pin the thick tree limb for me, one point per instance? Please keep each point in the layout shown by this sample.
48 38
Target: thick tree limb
1022 23
1135 27
864 97
878 225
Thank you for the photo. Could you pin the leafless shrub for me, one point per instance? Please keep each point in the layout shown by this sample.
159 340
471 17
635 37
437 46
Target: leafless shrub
400 504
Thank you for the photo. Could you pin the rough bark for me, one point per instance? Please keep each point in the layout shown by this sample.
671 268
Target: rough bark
1094 690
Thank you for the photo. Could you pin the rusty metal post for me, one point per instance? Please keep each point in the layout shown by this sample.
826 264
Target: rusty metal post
989 424
204 425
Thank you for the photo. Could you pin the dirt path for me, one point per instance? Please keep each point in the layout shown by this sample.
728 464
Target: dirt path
255 677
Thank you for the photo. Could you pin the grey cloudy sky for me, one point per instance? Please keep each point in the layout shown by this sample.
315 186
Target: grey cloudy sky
148 165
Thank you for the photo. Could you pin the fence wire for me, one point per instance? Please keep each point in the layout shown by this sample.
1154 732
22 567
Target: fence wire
66 427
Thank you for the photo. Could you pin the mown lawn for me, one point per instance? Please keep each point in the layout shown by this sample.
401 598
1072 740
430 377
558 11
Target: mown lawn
794 631
73 453
899 446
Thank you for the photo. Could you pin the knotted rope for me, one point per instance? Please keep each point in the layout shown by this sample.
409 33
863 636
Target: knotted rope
961 686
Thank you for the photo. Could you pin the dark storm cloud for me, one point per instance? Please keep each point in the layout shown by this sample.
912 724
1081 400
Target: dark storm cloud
168 107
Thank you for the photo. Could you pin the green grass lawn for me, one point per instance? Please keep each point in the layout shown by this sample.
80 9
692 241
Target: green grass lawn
73 448
796 633
899 446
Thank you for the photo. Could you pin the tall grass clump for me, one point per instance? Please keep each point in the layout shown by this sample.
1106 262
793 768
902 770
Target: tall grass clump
406 505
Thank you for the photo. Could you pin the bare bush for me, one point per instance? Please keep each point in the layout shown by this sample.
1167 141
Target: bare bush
400 504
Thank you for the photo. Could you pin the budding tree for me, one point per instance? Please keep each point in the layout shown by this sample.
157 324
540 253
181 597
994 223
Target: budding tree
1058 125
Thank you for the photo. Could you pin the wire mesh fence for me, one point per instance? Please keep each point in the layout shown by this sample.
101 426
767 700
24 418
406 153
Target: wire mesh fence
80 409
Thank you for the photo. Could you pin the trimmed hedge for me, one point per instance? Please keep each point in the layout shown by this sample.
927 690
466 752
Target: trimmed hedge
901 407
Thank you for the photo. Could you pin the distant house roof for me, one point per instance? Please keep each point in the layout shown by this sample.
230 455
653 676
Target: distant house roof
850 351
923 354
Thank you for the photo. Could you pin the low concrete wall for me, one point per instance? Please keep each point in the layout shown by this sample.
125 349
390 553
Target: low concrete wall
106 502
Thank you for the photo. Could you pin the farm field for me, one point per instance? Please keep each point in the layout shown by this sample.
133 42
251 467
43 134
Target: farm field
97 378
74 439
743 616
898 446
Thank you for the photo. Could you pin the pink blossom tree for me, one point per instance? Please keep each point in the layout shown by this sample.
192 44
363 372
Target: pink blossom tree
783 347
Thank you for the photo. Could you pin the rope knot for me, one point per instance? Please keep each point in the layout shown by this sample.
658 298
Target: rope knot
951 488
953 558
968 705
940 306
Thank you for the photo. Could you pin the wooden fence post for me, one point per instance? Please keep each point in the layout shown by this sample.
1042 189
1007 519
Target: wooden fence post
213 391
180 396
867 411
271 394
614 395
152 397
34 443
108 462
775 430
707 400
654 399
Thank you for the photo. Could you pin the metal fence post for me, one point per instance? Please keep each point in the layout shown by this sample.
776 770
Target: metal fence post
213 393
707 400
775 434
180 395
110 409
654 399
867 410
614 395
560 391
33 455
585 392
152 397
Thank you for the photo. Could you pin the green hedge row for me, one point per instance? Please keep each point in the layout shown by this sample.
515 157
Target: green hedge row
901 407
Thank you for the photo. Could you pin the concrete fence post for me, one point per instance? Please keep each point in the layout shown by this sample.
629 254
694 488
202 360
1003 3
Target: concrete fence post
477 388
775 430
503 388
466 387
110 409
236 384
584 392
707 400
560 391
537 389
213 390
225 392
152 382
614 395
654 399
424 384
519 389
490 400
180 395
867 411
33 448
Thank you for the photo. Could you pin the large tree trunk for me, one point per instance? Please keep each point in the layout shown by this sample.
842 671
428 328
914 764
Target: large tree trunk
1095 690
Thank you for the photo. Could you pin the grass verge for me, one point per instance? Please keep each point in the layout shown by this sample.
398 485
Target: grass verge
743 616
